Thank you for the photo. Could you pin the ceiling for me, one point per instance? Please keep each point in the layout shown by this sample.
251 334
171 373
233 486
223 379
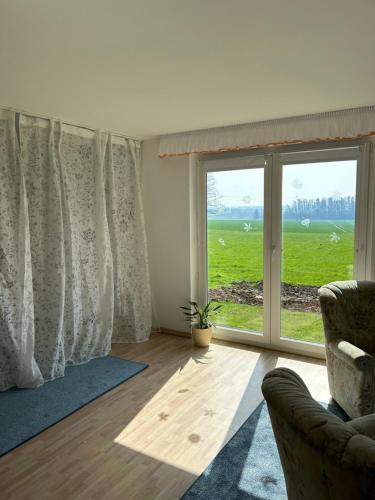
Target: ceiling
151 67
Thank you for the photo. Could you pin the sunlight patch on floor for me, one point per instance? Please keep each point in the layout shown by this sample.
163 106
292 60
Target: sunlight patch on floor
164 429
309 371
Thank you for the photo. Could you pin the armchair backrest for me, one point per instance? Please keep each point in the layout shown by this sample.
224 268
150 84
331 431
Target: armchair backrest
348 310
322 457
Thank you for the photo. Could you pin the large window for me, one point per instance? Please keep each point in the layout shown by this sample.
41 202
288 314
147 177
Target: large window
275 228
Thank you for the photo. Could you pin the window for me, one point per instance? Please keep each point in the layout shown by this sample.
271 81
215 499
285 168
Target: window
273 228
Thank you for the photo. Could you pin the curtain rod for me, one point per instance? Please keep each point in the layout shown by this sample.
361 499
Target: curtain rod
78 125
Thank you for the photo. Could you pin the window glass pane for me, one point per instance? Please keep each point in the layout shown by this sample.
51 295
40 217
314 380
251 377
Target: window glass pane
318 216
235 246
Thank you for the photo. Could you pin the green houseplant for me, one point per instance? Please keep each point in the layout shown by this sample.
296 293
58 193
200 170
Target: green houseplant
201 320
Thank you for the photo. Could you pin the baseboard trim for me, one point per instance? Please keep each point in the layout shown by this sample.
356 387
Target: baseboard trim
178 333
238 342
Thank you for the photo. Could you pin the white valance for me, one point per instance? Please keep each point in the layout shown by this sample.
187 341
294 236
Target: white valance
331 126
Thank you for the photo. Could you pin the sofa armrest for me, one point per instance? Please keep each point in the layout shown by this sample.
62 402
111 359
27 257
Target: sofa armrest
352 355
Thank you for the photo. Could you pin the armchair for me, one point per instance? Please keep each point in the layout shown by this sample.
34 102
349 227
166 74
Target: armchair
348 310
322 457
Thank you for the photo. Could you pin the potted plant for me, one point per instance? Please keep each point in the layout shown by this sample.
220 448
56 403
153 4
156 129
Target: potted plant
201 321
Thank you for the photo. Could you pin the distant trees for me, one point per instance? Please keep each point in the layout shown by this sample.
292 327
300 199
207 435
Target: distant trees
213 195
321 208
332 208
256 215
221 212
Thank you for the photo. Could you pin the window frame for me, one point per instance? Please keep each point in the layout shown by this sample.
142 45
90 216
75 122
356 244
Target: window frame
274 159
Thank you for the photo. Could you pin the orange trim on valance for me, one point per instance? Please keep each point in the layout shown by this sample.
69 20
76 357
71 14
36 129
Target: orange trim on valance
269 145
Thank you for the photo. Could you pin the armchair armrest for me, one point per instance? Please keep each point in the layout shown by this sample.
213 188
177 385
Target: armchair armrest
352 355
365 425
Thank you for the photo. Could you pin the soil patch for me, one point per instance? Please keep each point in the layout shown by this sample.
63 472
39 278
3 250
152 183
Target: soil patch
293 297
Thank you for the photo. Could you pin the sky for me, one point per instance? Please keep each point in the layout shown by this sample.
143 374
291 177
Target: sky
312 180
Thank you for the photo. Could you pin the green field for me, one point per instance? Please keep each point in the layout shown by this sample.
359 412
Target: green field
313 255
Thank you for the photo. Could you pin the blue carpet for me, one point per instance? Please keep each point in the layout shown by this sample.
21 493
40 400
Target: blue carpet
24 413
248 467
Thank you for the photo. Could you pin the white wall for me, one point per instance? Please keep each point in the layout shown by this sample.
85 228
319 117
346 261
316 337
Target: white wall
166 203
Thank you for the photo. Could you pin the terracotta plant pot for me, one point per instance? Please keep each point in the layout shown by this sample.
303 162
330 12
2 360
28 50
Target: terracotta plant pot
202 336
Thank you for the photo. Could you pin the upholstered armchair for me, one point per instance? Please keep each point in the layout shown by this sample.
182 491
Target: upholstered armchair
348 309
322 457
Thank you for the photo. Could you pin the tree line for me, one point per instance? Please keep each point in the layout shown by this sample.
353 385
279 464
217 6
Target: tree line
321 208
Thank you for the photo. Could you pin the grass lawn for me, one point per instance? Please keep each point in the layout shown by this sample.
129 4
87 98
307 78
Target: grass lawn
313 255
295 324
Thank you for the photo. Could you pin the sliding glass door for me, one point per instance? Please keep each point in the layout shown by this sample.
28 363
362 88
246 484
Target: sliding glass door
275 228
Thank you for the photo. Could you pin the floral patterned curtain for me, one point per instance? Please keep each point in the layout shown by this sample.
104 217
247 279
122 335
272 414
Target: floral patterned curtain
73 263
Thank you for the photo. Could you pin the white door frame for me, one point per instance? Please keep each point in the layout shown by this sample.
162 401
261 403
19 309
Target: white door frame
237 163
359 271
272 230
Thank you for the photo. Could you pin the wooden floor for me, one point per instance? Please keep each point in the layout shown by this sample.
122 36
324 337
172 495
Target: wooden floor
152 436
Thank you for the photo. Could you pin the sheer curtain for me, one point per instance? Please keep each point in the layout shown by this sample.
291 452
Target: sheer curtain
73 263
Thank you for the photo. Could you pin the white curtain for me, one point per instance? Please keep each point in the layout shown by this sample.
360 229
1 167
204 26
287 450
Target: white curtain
73 263
331 126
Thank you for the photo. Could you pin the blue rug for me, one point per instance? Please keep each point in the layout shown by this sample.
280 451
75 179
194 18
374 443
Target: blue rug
24 413
248 467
